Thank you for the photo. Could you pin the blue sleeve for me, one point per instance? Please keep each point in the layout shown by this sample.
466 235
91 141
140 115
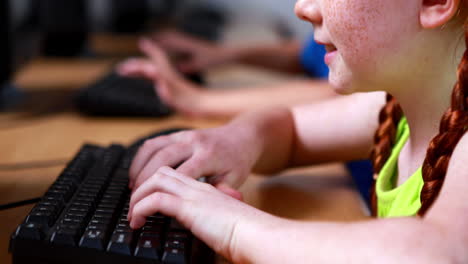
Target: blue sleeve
312 59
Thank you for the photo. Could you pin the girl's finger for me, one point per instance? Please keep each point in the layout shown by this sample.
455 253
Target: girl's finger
157 202
196 167
159 182
171 156
144 154
180 176
226 189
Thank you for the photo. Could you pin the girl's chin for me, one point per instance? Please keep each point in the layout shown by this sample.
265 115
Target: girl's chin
343 91
340 87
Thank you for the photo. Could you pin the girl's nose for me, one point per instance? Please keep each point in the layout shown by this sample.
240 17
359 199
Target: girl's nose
308 10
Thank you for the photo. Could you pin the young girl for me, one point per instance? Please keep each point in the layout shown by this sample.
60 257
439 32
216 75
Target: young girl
407 48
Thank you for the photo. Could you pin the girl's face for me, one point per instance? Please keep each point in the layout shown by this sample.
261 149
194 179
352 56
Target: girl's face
368 42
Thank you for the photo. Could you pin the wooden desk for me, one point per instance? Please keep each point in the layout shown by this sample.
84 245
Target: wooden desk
48 129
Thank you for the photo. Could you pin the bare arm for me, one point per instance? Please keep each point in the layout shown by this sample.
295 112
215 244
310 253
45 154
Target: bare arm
244 234
439 237
229 103
341 128
338 129
282 56
201 55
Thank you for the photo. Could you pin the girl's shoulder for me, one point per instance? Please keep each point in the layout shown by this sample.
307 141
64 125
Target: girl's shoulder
462 147
459 159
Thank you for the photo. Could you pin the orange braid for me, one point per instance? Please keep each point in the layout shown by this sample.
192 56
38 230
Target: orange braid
453 126
384 139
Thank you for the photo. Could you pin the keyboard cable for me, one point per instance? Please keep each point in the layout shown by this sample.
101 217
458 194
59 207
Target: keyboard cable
13 205
24 166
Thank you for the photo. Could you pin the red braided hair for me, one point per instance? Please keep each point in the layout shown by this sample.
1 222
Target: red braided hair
453 126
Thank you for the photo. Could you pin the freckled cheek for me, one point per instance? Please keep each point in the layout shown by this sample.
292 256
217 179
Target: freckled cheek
356 48
362 56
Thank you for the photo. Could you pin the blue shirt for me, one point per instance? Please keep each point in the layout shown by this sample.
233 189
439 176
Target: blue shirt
312 59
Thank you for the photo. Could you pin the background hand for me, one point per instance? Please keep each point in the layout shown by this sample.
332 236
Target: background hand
172 88
196 55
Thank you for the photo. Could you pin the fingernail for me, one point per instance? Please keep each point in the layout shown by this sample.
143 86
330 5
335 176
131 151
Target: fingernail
135 224
144 42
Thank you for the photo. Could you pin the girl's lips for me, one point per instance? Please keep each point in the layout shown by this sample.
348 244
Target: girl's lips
329 48
331 51
330 56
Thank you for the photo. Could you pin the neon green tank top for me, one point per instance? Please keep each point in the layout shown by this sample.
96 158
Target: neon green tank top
403 200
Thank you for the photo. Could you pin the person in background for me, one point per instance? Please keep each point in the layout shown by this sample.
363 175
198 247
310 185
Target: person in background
193 100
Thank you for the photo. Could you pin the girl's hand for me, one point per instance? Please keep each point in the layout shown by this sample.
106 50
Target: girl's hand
199 55
172 88
212 215
224 155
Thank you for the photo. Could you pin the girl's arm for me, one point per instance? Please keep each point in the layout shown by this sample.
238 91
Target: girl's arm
246 235
337 129
439 237
266 141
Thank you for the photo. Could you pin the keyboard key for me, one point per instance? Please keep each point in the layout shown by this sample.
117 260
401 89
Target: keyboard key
174 256
149 247
65 236
121 243
175 225
38 217
93 239
176 243
31 231
178 235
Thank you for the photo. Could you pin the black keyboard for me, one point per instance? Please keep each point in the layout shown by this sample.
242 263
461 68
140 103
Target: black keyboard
82 218
116 95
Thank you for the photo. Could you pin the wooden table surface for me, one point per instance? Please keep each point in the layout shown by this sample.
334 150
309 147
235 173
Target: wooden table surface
46 128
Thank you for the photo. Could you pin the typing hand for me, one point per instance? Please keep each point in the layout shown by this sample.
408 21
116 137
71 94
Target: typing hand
171 87
199 55
222 154
208 212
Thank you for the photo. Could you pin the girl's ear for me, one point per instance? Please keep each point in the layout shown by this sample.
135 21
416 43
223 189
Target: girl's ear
435 13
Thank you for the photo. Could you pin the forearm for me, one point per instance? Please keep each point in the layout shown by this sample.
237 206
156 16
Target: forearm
283 56
404 240
339 129
229 103
267 136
